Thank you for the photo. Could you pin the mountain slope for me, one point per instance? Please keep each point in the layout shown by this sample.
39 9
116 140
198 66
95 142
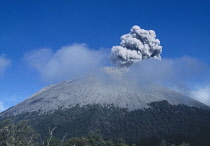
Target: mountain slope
108 86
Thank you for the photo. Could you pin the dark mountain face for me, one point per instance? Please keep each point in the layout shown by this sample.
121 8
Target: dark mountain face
118 107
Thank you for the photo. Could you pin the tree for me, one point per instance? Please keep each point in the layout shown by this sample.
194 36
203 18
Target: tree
17 135
164 143
82 141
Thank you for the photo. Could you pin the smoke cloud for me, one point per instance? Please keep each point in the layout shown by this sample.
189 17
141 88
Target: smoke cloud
186 75
184 69
4 63
65 63
135 46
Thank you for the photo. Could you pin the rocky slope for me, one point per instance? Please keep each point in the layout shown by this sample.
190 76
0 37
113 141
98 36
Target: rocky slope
107 86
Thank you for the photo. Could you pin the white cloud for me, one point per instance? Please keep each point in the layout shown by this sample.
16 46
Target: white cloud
181 74
4 63
202 94
2 107
174 71
66 62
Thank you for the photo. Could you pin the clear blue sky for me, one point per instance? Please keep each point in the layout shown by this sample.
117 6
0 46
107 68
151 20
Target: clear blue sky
183 28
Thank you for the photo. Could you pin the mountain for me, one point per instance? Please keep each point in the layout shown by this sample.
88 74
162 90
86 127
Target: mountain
112 101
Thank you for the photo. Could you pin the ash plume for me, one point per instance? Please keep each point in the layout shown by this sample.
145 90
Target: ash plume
135 46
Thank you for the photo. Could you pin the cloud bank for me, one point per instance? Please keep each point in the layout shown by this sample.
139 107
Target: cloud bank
186 75
65 63
4 63
135 46
2 107
202 94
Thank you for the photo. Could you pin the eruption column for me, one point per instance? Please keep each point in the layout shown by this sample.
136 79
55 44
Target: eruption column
135 46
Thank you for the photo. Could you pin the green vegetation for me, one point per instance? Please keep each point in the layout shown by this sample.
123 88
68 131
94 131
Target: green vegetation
164 143
21 134
175 123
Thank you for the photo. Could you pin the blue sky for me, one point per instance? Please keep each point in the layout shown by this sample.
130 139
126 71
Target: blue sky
183 28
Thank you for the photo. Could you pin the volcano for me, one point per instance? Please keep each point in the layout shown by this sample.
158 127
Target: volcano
111 101
118 103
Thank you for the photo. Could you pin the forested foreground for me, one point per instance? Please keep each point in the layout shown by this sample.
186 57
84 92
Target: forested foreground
21 134
102 125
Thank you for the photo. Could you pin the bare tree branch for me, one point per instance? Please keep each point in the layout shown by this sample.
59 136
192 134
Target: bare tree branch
51 135
29 142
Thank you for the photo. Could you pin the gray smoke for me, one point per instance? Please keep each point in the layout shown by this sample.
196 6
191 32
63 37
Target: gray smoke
135 46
